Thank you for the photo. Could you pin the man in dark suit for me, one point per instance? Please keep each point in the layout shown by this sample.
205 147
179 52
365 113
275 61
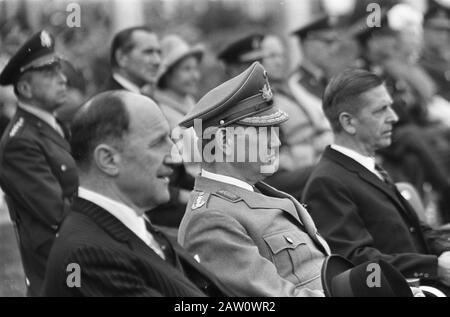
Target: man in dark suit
37 171
122 148
356 206
135 59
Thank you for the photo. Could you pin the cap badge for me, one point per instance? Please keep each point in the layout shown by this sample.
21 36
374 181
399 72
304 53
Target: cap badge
46 40
267 93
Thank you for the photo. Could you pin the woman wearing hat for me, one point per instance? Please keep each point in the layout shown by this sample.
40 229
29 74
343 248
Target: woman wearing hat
178 79
176 86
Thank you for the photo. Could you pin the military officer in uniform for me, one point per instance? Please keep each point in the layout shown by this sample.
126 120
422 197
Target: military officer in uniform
259 241
37 172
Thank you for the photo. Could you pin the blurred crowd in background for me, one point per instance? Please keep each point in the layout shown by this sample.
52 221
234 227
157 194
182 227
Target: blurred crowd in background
410 49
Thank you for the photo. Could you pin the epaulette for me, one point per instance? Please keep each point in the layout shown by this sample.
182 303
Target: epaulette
200 200
16 127
227 196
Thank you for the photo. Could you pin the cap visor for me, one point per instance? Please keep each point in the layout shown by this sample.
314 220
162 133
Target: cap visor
43 61
270 117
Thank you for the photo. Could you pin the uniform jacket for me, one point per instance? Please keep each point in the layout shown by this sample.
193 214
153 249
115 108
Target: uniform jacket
258 244
116 262
363 218
39 176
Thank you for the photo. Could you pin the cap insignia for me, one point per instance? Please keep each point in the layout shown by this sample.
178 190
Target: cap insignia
46 40
266 91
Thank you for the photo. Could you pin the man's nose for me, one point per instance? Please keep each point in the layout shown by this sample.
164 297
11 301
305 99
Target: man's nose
156 58
173 156
62 78
393 117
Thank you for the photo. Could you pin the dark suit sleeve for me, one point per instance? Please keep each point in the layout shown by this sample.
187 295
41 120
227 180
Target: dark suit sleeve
104 273
439 241
336 215
31 182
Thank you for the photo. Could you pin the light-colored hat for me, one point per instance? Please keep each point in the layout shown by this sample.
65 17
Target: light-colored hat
174 49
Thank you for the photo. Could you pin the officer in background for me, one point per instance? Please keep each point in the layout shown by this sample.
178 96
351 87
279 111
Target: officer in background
37 171
436 55
238 55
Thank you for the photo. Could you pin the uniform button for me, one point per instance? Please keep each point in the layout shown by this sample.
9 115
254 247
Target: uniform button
55 228
412 230
426 275
289 240
163 247
63 168
416 274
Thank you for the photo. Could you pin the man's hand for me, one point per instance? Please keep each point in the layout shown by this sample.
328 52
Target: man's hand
417 292
444 268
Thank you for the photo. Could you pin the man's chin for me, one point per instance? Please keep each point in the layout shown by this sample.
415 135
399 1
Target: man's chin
269 169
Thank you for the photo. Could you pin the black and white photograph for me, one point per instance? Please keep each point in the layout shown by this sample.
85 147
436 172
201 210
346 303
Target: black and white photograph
247 151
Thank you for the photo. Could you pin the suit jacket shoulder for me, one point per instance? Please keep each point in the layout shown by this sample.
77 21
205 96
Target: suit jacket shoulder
358 214
111 84
95 240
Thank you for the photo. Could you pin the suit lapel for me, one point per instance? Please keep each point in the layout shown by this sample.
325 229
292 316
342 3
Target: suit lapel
121 233
366 176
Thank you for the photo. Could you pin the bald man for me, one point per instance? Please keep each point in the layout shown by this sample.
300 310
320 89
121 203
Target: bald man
122 149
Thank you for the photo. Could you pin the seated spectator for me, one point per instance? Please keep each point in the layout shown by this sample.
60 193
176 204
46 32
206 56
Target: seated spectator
420 148
259 241
178 79
135 58
352 199
122 149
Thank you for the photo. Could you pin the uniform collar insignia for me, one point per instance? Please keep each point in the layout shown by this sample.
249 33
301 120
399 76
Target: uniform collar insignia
46 40
200 201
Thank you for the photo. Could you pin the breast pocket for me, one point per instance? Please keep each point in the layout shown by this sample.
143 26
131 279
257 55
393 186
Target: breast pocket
292 256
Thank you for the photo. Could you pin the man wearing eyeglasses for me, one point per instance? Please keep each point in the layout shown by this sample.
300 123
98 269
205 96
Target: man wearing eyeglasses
37 171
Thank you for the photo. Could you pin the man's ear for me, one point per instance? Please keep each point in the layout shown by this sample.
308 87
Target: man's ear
121 58
223 141
346 121
107 159
24 88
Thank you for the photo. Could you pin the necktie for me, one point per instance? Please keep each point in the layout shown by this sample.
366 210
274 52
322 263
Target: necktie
155 243
387 179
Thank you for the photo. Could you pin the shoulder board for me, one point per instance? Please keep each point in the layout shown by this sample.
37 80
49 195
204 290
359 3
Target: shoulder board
16 127
227 196
199 200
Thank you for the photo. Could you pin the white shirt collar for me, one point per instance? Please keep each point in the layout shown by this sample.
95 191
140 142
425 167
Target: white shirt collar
227 179
366 161
45 116
126 83
124 214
